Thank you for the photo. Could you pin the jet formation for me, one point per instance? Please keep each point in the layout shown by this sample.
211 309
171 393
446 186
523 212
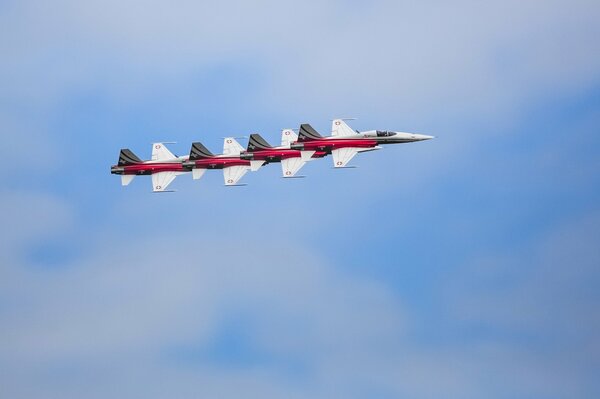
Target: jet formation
235 161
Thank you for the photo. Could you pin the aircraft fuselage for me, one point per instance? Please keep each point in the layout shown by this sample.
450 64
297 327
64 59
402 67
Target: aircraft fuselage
276 154
216 162
148 168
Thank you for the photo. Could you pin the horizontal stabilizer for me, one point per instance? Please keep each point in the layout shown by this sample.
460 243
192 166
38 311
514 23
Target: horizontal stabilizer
257 143
199 151
127 157
126 179
308 133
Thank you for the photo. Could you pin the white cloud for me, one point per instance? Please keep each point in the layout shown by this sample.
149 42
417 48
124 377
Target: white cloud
107 326
316 59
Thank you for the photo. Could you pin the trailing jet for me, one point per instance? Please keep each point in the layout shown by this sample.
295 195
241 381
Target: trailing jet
164 167
260 152
344 143
234 168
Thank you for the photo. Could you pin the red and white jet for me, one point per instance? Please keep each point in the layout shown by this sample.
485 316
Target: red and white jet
344 143
260 152
164 167
234 168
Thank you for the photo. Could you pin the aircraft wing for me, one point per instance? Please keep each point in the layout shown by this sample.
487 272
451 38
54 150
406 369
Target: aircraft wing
197 173
126 179
231 147
288 137
255 165
161 153
291 166
343 155
340 128
161 180
233 174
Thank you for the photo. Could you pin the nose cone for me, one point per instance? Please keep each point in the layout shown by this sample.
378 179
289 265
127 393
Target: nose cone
402 137
421 137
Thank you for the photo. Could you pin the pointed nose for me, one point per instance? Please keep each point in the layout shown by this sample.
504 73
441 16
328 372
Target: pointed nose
420 137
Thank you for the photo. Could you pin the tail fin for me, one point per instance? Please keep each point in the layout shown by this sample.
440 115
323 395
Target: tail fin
288 137
308 133
256 142
341 128
127 157
199 151
161 153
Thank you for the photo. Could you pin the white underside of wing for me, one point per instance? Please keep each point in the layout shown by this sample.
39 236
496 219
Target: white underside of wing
198 173
233 174
126 179
161 180
342 156
291 166
255 165
307 155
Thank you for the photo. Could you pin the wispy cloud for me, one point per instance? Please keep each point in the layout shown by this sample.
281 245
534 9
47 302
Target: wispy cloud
459 267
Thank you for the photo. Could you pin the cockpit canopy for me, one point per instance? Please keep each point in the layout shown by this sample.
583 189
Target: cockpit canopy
384 133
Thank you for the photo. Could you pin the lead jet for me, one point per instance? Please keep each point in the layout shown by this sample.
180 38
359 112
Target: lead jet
164 167
201 159
260 152
344 143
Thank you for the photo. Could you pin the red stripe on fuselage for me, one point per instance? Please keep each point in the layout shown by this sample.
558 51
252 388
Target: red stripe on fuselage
335 144
150 168
219 162
276 155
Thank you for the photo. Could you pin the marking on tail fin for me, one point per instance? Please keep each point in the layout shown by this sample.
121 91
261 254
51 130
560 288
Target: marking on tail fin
308 133
256 143
199 151
127 157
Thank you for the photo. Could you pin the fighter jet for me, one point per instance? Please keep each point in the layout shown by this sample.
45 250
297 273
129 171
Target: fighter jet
234 168
344 143
164 167
260 152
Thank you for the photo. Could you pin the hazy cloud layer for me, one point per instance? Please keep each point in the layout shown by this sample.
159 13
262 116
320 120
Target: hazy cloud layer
463 267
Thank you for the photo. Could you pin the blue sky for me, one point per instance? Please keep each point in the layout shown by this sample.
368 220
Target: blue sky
465 266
